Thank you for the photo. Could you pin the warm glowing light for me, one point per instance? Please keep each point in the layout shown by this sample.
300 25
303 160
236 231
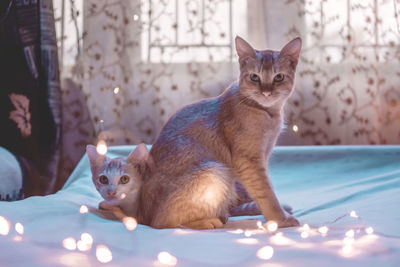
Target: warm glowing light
247 241
348 240
167 259
265 253
260 225
82 246
19 228
272 226
350 233
304 234
247 233
347 249
305 227
17 238
116 90
69 243
4 226
369 230
135 17
323 230
83 209
87 238
130 223
353 214
123 195
101 147
103 254
295 128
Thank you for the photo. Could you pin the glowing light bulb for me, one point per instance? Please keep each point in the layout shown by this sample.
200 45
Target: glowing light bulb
82 246
350 233
167 259
323 230
369 230
348 240
69 243
305 227
295 128
116 90
265 253
272 226
353 214
87 238
304 234
103 254
19 228
247 233
135 17
83 209
101 147
4 226
347 249
130 223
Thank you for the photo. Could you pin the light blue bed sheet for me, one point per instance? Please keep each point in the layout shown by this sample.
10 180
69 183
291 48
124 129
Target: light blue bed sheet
323 185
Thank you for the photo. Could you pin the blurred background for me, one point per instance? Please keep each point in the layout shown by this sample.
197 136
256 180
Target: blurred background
127 65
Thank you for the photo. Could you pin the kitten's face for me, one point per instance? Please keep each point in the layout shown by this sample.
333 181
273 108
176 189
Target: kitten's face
267 77
116 178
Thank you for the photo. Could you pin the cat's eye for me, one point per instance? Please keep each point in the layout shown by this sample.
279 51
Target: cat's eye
279 77
255 78
103 179
124 179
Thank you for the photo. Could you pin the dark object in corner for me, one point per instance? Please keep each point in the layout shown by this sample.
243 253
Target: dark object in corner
30 100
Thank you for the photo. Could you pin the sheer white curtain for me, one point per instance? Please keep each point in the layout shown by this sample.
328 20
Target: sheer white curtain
347 88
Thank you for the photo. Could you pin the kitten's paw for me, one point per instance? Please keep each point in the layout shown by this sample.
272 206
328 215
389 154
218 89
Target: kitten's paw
105 205
212 223
290 221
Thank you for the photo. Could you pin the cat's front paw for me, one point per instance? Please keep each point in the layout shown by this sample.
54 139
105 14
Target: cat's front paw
289 221
105 205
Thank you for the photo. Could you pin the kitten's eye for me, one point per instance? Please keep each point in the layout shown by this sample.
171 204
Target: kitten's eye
254 77
103 179
279 77
124 179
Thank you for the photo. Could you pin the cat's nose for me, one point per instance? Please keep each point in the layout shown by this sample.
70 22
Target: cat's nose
111 193
266 88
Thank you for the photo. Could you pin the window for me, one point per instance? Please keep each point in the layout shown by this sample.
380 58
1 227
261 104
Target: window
190 30
367 29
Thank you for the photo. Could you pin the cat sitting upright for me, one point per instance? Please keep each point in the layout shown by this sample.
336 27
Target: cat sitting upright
118 180
207 146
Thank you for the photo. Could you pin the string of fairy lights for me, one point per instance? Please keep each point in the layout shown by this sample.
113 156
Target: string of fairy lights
350 245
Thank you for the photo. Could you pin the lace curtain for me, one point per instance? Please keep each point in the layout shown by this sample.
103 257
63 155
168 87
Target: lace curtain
139 61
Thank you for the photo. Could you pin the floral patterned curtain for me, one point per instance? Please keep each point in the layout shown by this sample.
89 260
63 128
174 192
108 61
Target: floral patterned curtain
139 61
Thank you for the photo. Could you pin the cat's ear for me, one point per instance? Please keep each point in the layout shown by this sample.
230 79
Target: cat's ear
244 49
94 158
140 154
292 48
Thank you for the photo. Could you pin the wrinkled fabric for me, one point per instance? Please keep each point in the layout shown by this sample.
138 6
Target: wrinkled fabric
322 184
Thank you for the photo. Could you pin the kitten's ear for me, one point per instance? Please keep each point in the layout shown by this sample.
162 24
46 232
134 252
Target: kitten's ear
243 48
94 158
140 154
292 48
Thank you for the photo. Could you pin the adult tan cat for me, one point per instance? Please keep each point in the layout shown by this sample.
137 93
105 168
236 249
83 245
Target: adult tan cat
206 146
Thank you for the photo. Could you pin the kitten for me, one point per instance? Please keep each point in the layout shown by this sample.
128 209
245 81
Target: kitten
118 180
207 146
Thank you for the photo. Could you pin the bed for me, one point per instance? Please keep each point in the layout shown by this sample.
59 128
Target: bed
349 197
